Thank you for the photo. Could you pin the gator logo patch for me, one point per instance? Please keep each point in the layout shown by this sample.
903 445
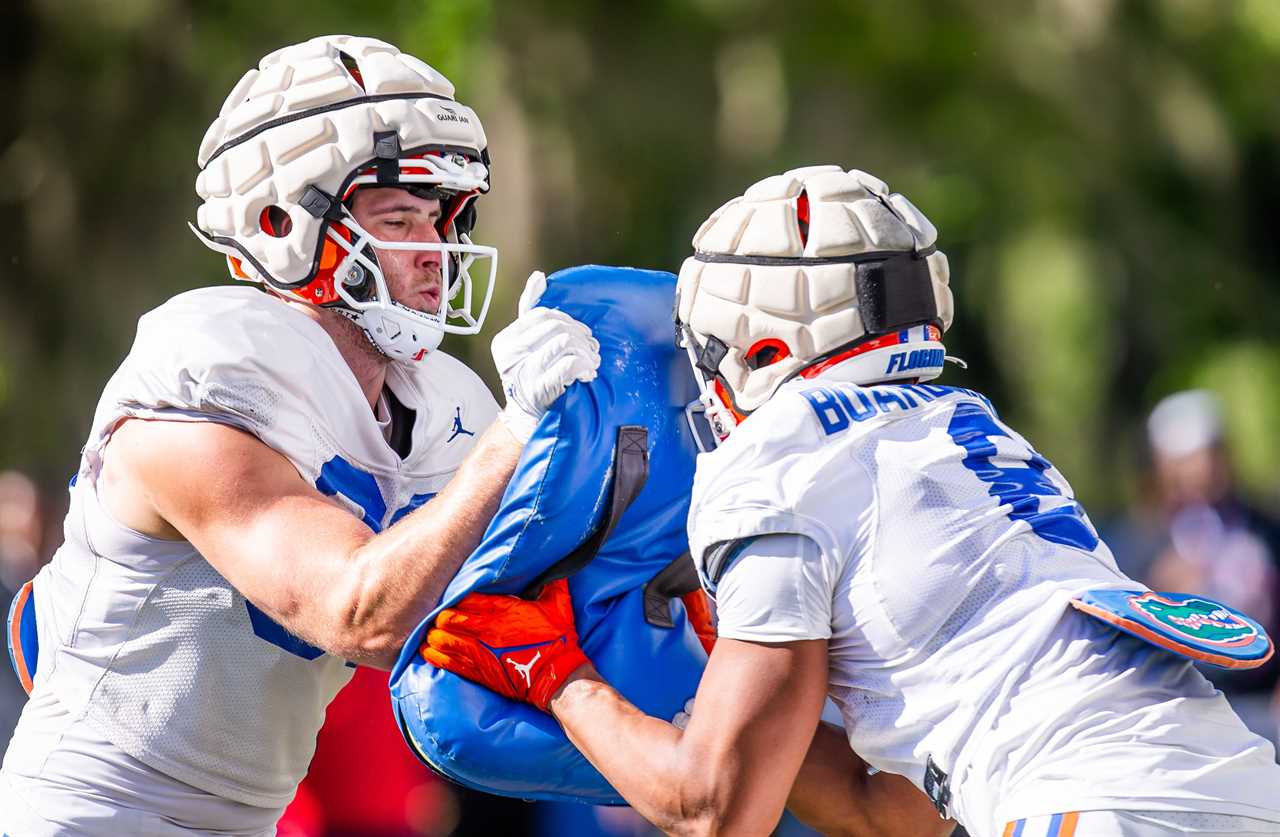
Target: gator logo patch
1203 621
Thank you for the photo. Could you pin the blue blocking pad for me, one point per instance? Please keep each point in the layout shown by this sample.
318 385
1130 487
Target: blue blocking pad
562 494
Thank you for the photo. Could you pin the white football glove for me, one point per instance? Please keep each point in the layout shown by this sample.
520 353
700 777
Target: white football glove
538 356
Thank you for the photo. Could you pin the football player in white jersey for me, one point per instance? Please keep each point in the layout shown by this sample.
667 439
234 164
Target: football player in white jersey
282 477
891 544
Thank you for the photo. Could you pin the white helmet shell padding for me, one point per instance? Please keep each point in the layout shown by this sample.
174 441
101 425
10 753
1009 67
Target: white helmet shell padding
764 277
312 120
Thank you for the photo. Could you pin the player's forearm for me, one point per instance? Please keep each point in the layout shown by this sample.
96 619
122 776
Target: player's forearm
647 761
830 791
399 574
835 795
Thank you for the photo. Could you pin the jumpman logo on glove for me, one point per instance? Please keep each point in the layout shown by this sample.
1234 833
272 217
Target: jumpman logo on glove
525 668
480 636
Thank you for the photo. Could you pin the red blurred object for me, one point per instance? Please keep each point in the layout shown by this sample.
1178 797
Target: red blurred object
303 818
363 779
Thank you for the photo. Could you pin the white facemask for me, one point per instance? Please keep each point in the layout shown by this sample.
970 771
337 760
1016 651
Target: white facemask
400 332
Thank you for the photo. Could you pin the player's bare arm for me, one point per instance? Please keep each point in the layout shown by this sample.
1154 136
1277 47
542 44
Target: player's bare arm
835 795
310 564
303 559
732 767
730 770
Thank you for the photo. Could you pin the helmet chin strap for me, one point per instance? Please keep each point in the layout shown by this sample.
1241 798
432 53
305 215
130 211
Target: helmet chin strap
375 324
719 416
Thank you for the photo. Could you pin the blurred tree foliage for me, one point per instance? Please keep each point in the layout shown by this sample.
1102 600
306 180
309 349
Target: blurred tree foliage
1100 172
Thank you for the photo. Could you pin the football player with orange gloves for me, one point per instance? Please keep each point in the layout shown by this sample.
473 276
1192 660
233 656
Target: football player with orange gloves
889 543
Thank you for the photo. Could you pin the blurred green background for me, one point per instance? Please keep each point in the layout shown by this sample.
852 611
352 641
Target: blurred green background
1100 172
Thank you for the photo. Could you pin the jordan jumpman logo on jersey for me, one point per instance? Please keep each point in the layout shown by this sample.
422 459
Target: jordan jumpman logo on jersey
458 429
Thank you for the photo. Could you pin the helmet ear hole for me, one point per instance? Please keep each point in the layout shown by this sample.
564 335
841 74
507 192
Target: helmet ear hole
275 221
765 353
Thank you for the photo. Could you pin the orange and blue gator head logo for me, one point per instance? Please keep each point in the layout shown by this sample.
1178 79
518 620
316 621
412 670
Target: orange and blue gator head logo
1205 621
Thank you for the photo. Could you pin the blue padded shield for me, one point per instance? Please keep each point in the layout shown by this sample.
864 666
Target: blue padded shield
558 497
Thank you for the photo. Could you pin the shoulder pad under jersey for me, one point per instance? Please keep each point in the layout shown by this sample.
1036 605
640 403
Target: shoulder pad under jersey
761 479
244 357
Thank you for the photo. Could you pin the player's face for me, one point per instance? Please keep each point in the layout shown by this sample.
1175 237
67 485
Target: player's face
413 276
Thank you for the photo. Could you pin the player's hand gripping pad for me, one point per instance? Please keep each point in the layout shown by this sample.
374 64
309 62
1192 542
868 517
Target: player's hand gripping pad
568 485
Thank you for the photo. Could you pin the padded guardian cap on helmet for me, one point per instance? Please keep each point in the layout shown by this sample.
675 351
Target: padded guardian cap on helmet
814 270
294 140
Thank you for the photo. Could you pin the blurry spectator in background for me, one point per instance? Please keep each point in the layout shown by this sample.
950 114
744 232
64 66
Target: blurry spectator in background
21 530
21 555
1200 536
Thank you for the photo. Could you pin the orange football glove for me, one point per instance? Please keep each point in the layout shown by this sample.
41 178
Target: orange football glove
518 648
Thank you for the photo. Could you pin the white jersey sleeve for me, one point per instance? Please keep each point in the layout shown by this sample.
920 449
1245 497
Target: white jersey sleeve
241 357
776 588
763 483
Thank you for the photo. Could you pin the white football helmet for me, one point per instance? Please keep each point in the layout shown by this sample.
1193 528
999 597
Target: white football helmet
294 140
816 270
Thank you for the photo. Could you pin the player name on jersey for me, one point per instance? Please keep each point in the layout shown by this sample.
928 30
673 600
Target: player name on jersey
837 407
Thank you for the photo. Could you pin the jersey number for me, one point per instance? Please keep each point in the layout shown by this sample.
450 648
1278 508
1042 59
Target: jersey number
338 476
1019 486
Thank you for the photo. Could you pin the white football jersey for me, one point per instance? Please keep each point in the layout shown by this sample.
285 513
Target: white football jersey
946 552
143 638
